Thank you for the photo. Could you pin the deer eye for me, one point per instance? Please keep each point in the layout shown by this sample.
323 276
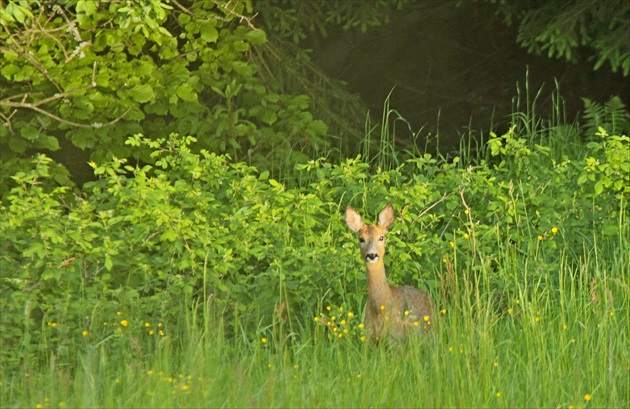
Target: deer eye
361 240
381 238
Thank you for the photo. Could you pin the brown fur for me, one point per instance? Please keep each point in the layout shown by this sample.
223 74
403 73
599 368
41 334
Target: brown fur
391 311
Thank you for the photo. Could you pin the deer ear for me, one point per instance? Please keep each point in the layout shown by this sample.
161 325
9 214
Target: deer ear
353 219
386 216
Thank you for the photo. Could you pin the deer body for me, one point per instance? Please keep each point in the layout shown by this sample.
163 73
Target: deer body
391 311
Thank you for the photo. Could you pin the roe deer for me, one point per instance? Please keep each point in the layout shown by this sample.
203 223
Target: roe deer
390 311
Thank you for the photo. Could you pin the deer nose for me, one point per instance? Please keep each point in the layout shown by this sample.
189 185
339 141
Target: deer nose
371 257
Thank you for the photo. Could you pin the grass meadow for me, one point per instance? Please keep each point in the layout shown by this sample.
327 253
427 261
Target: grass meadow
564 347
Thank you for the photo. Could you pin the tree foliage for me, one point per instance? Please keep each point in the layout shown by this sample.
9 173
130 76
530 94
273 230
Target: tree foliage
296 20
597 31
93 73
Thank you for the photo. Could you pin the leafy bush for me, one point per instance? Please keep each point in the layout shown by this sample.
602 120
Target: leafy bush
149 240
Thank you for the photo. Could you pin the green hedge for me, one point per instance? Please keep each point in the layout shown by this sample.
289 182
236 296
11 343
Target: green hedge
148 241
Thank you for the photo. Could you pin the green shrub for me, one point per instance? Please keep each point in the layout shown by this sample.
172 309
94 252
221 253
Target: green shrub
145 242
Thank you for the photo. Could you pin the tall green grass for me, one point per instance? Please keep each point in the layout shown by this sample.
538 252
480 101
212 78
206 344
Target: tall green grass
564 346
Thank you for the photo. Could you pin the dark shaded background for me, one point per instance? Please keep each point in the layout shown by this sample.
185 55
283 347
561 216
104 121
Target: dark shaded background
459 63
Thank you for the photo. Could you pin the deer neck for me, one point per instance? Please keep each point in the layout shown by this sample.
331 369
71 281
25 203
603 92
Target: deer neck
379 293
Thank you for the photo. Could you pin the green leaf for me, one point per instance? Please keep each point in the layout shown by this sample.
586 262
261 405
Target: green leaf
108 262
242 67
18 145
209 33
19 13
49 142
186 92
183 18
318 127
599 187
142 93
269 117
88 7
29 132
9 70
256 37
83 138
